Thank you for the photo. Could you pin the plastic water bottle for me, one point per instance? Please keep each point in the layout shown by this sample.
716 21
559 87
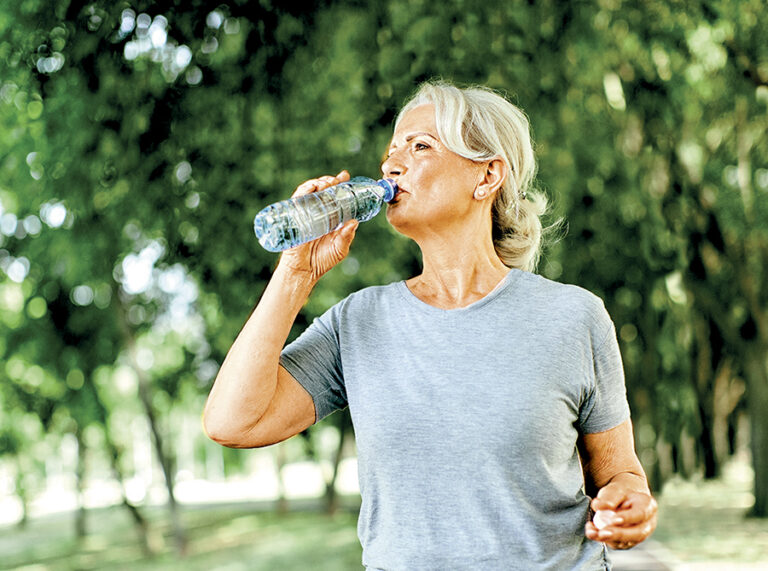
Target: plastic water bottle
291 222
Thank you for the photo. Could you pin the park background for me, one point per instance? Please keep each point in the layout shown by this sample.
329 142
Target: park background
137 141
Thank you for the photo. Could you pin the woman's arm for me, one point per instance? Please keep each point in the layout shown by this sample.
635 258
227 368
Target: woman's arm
617 482
254 401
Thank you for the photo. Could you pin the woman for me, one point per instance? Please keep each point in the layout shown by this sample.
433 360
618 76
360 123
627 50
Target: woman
488 402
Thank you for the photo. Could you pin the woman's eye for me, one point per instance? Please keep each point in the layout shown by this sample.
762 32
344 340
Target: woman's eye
420 146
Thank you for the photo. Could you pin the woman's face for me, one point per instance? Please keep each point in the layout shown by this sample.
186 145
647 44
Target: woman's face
436 184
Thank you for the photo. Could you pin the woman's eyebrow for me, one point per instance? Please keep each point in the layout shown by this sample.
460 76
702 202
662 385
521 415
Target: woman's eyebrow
411 136
414 135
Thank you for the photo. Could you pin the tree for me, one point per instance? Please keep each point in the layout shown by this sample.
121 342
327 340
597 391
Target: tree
138 142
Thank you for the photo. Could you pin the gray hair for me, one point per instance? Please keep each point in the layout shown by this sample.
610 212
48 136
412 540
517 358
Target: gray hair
479 124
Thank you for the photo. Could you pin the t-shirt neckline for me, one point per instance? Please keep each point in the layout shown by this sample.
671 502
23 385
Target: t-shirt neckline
502 286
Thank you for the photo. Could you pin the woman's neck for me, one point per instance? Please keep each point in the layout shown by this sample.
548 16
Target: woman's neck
457 272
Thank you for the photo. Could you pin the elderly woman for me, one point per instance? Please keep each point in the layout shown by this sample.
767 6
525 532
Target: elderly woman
488 402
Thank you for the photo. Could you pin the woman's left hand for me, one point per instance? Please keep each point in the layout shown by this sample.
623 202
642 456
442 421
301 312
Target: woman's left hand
634 520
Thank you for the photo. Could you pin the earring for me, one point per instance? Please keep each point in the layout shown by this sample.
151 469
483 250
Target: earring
481 194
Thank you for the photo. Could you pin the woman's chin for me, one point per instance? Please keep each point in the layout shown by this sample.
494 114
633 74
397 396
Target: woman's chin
397 217
393 211
407 229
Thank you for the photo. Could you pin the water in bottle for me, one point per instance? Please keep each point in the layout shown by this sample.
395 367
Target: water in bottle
298 220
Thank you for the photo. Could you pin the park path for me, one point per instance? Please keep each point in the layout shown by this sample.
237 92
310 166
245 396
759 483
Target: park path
648 556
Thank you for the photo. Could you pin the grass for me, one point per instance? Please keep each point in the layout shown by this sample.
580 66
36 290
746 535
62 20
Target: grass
223 538
705 521
701 523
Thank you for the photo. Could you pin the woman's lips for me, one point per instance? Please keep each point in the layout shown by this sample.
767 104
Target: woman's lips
400 190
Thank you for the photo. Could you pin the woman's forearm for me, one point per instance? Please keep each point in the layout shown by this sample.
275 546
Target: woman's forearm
246 382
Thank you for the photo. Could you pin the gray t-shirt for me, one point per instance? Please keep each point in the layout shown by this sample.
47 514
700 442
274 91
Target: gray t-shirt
466 420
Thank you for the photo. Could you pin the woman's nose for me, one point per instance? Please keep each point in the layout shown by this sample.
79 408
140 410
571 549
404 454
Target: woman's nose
392 167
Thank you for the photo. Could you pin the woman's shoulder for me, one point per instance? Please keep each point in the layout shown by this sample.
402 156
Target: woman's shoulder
375 292
357 306
367 298
540 286
555 297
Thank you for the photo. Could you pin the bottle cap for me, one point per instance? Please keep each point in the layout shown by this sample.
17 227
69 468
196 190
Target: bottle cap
390 188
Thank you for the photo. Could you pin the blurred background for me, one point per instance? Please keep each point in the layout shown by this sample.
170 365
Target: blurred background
137 141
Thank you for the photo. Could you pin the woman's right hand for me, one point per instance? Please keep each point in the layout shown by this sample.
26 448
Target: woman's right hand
318 256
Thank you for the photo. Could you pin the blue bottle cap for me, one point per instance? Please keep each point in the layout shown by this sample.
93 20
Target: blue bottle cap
390 188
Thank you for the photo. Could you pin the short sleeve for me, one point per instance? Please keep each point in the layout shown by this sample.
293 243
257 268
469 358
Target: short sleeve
314 360
606 404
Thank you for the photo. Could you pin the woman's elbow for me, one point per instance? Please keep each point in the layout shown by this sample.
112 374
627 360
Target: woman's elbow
223 431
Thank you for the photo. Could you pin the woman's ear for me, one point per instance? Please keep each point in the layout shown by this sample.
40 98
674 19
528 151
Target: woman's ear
494 174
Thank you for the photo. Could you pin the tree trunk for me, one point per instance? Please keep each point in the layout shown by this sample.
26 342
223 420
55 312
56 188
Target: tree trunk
331 497
728 393
281 507
703 377
81 513
756 373
706 443
140 523
166 463
21 492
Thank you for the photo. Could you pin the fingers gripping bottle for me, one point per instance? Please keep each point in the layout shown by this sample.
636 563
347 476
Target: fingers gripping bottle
291 222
